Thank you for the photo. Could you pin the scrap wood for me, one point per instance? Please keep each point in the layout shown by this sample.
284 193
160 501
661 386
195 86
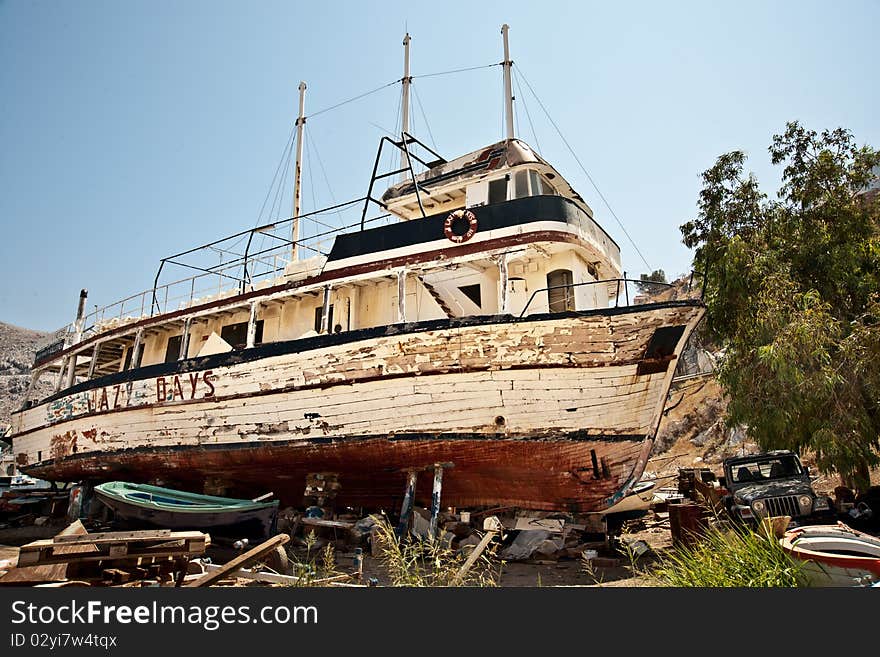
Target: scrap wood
240 561
108 546
275 578
116 537
50 573
319 522
494 527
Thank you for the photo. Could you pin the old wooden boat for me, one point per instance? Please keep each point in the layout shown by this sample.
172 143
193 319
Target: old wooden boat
481 319
835 555
166 508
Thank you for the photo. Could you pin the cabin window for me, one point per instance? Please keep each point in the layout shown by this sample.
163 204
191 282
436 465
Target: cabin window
497 191
318 312
559 293
521 183
236 334
536 187
546 187
172 351
472 292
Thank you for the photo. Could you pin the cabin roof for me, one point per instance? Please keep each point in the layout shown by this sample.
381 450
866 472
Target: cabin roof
501 155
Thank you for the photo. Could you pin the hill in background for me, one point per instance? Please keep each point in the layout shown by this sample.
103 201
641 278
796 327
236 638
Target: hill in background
17 349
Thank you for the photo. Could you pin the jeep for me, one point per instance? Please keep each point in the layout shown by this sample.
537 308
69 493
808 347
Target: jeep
771 484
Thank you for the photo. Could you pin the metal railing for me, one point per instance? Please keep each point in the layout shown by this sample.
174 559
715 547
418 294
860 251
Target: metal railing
606 282
244 271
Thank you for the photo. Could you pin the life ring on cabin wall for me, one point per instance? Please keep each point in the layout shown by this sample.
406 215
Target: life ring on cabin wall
460 226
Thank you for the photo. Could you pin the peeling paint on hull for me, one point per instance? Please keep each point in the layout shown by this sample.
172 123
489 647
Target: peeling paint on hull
557 412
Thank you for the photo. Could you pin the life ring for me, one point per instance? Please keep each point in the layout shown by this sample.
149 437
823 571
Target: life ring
458 216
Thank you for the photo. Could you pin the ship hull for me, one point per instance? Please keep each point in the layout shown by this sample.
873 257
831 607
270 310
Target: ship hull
549 412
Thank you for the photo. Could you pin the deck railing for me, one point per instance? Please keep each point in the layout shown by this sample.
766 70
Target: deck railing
248 260
619 283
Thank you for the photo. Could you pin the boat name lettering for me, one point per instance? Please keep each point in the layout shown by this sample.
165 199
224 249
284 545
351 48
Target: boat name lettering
171 389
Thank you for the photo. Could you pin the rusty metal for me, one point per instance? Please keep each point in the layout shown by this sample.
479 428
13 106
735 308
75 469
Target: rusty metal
406 509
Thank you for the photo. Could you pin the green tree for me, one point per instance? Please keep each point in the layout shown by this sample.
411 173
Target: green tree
645 284
792 288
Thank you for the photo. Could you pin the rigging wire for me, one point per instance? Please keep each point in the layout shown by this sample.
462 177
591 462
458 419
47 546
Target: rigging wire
311 175
425 117
275 200
282 187
457 70
275 177
351 100
526 108
586 173
313 186
326 178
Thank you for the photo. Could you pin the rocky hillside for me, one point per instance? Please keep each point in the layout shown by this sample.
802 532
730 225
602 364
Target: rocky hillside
17 348
693 430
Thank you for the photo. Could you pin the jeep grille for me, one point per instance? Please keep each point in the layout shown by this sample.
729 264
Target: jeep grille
785 505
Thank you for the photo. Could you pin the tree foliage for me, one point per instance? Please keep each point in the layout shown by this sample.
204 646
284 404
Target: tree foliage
792 288
646 282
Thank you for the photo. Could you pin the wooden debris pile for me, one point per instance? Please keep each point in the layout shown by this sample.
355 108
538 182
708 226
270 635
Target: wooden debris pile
74 556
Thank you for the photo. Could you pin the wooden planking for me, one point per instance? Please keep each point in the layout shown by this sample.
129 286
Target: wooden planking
500 345
357 407
172 423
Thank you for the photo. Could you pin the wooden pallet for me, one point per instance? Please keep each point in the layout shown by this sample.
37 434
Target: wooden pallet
113 545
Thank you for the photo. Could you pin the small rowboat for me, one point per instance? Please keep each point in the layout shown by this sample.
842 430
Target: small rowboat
175 509
835 555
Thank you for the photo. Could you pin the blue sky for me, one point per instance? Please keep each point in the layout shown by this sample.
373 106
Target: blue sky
134 130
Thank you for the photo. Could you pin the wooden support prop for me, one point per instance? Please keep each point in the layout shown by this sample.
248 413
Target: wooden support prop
493 526
435 500
406 508
240 561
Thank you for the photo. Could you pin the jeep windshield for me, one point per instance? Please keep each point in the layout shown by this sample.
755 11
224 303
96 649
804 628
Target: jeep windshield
764 469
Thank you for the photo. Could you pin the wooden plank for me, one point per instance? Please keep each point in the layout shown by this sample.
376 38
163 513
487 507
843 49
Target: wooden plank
147 535
240 561
47 552
274 578
491 521
320 522
51 573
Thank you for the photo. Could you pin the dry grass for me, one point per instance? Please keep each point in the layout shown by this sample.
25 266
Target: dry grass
429 563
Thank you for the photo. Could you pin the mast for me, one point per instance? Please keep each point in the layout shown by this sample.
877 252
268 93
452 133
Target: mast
406 81
508 90
297 177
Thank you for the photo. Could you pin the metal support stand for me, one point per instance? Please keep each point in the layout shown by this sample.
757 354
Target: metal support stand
406 508
435 499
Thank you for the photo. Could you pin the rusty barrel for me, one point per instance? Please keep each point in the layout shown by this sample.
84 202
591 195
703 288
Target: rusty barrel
687 522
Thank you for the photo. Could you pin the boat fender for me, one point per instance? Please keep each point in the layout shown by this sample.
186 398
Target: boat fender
459 215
